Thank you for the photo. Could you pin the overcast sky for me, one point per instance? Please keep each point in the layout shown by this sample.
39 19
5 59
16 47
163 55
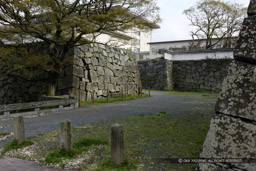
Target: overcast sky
175 25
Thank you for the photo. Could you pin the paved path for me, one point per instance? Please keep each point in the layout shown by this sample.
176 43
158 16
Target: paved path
13 164
172 104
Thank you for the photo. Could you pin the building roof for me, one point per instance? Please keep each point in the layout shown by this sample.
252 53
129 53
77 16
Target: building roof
188 40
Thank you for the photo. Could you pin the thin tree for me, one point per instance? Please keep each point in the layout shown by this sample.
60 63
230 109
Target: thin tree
215 19
56 26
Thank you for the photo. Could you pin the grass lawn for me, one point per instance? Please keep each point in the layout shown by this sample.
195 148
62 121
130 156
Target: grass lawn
113 99
149 142
211 95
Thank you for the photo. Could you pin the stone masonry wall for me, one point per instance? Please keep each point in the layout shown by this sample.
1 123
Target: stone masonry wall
14 90
202 75
97 67
156 74
232 132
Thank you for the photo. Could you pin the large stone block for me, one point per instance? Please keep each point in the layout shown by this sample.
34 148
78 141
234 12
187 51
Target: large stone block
230 137
78 71
94 76
252 8
100 70
76 82
108 72
245 49
238 96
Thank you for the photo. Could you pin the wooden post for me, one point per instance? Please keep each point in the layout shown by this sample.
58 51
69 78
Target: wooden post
69 93
18 129
132 92
140 92
107 95
127 90
117 144
149 91
79 98
93 99
122 93
66 135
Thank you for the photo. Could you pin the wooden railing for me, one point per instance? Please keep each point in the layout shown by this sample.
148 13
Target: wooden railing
35 107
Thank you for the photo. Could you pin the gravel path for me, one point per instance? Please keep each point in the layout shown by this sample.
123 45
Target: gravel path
172 104
159 102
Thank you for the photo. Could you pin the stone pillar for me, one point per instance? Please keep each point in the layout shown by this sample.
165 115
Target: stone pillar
117 144
66 135
232 131
18 129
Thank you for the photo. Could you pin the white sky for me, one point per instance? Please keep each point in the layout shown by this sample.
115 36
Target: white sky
175 25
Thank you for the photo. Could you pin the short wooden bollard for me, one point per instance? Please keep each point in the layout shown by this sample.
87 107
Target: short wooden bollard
93 99
79 98
132 93
122 93
117 144
141 92
127 90
149 91
18 129
66 135
69 93
107 95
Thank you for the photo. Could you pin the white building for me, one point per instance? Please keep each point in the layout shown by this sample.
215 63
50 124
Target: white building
191 49
136 40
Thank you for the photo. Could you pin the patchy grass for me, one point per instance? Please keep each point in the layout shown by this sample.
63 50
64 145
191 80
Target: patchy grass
148 140
210 95
79 147
2 135
109 165
114 99
14 145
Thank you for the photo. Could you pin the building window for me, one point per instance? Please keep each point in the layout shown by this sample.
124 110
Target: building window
135 49
137 33
136 42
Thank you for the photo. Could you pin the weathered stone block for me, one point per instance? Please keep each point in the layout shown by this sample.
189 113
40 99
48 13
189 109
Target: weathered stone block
108 72
82 85
78 71
245 49
238 96
76 82
93 76
100 70
95 61
230 137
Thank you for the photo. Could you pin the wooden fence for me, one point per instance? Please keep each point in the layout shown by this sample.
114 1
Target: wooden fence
31 108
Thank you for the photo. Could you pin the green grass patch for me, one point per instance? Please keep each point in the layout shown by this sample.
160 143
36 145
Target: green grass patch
109 165
210 95
147 139
113 99
2 135
14 145
79 146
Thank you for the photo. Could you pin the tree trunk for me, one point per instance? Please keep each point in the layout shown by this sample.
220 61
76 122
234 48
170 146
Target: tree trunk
51 89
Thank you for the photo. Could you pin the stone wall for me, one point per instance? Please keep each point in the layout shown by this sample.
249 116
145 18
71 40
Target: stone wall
201 75
95 67
232 132
156 74
17 90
